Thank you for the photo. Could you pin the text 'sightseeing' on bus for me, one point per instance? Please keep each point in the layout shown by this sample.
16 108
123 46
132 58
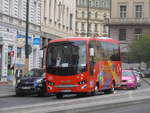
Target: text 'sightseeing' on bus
82 66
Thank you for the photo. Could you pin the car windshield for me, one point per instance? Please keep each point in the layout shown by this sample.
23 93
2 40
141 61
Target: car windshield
127 73
35 73
66 58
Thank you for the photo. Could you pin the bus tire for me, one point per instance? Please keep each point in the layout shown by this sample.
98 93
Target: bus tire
111 90
59 96
96 91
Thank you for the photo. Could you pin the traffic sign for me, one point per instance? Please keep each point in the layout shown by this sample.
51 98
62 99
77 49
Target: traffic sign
36 41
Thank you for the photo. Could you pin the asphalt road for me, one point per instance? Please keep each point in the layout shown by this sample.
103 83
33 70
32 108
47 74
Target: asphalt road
142 106
12 102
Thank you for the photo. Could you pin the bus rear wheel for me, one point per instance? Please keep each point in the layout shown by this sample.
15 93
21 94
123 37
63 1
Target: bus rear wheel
59 96
111 90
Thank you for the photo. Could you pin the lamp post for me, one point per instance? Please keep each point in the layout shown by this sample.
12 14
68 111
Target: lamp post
88 7
109 17
26 41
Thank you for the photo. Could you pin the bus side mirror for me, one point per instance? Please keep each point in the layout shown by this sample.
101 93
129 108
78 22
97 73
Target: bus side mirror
91 51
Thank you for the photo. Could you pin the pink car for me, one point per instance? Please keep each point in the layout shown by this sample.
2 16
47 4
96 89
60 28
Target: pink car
129 80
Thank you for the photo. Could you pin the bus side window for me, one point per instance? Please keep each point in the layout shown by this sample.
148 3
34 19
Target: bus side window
115 56
92 60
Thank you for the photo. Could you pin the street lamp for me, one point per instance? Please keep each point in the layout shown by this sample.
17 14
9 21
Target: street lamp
109 17
26 41
88 7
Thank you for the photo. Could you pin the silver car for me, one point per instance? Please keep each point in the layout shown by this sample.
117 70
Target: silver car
138 77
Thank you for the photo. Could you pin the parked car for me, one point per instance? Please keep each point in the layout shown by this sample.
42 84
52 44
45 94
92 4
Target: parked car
138 77
129 80
146 72
33 82
140 73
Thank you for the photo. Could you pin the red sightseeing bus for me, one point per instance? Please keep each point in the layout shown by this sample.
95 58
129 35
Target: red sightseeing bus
84 66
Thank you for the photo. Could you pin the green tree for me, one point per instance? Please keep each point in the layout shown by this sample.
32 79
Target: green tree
139 50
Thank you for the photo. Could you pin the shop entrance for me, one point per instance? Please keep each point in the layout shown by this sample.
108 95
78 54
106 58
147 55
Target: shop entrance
10 71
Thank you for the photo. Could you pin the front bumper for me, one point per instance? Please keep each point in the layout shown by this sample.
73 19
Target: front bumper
68 90
128 85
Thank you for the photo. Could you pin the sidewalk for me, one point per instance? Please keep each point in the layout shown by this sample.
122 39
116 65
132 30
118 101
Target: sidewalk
6 89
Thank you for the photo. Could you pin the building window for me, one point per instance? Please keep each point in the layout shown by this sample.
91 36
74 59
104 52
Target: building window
96 15
123 11
59 11
19 52
138 33
76 13
104 29
90 29
10 7
90 4
122 34
97 4
82 26
138 11
89 14
96 27
76 26
82 14
71 20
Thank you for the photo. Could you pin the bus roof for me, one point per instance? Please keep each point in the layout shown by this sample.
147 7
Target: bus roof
103 39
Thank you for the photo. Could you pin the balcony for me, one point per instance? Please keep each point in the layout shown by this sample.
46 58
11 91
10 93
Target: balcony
128 21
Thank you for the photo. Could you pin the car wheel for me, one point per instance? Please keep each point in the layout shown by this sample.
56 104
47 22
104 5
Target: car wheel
18 94
59 96
42 93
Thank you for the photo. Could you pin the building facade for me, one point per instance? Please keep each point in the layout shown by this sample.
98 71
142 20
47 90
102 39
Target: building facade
12 36
129 20
57 20
91 16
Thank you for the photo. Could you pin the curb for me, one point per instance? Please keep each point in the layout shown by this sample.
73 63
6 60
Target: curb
5 96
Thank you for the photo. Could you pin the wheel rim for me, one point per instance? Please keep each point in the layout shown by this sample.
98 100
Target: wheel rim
96 90
113 89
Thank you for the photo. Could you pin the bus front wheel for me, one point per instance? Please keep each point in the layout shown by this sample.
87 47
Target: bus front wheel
96 91
111 90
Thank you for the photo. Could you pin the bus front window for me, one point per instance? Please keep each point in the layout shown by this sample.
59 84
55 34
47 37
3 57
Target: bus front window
66 58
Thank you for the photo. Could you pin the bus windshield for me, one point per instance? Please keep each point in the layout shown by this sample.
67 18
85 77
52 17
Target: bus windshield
66 58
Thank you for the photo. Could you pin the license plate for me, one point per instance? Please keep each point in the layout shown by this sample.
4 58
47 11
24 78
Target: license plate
26 87
65 91
123 83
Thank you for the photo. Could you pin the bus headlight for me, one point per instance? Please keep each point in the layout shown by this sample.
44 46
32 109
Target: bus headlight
50 83
82 82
